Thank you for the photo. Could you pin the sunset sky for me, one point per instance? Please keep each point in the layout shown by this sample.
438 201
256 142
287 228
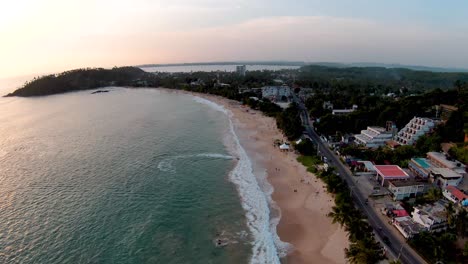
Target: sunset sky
40 36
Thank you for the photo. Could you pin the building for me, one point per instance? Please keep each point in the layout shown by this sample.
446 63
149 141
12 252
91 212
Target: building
407 189
407 227
386 173
276 93
444 177
416 127
327 105
241 69
454 195
438 159
420 167
342 111
432 217
373 137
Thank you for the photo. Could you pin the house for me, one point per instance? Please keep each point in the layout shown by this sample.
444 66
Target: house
368 165
416 127
407 227
385 173
438 159
276 93
342 111
407 189
327 105
453 194
444 177
347 138
373 137
432 217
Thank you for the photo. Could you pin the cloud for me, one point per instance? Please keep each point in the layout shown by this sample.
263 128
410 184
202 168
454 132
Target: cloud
308 38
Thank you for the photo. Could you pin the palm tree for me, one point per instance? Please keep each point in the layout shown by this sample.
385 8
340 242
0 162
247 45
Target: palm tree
461 223
357 229
433 194
338 215
450 214
364 251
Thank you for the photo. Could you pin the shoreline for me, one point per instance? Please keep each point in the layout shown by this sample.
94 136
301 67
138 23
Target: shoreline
300 197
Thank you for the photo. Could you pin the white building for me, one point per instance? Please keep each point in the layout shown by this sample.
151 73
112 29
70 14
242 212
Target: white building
438 159
407 189
444 177
342 111
241 69
454 195
432 217
373 137
276 93
407 227
417 127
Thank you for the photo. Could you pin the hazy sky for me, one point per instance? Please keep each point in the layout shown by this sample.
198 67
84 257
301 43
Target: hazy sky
39 36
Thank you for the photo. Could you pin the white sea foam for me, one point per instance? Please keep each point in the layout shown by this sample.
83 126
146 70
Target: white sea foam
267 247
214 155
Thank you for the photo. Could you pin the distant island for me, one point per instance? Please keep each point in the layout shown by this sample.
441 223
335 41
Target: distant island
303 63
85 79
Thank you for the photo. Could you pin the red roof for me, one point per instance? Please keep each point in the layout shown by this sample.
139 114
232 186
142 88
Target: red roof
400 213
457 193
392 171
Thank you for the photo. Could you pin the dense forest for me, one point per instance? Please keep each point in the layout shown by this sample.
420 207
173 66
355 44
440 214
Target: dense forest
375 79
83 79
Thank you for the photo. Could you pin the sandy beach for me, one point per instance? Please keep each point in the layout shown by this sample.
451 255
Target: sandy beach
301 197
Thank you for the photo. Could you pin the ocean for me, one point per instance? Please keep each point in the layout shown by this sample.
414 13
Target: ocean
216 67
129 176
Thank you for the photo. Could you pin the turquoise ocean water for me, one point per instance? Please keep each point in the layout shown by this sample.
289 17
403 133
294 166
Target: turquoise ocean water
129 176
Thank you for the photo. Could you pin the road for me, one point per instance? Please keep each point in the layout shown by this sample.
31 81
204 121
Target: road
395 248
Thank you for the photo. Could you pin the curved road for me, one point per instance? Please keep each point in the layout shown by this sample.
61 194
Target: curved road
395 248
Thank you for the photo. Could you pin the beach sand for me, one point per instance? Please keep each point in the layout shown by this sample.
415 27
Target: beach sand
303 223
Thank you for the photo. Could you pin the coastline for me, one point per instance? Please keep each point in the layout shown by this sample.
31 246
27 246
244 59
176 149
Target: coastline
301 219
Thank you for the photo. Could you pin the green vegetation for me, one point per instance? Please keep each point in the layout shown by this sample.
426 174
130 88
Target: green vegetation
309 161
377 79
363 248
289 122
306 148
84 79
399 156
378 110
460 152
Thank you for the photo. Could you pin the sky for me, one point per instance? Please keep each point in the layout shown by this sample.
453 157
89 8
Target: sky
44 36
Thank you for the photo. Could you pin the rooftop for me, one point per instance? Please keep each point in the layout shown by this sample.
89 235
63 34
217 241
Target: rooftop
407 183
440 157
392 171
377 128
457 193
446 173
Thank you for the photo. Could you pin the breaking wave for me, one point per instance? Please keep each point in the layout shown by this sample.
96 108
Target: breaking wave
266 247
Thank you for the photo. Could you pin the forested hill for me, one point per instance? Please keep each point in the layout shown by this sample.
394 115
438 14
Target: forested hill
84 79
380 76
